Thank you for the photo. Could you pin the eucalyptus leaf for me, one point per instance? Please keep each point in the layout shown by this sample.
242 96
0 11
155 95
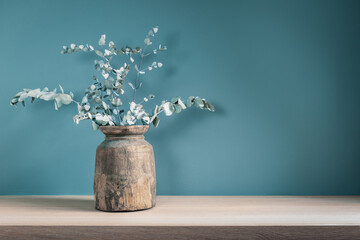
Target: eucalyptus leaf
147 41
131 85
109 83
174 99
102 40
169 108
94 125
112 45
189 101
198 102
116 102
99 53
61 89
156 121
181 104
178 108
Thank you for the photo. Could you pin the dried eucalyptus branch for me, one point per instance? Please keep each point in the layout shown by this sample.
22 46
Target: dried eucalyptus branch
102 102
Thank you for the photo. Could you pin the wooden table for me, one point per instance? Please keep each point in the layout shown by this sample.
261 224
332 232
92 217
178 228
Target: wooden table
183 217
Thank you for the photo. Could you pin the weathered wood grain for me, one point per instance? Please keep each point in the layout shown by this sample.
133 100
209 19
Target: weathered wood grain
181 233
185 211
125 170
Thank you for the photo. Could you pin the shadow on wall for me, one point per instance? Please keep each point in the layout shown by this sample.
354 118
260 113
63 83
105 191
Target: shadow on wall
28 161
162 138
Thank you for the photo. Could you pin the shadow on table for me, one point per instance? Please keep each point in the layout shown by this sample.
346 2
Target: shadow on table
63 203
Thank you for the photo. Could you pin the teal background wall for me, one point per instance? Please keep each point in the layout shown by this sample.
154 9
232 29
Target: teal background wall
283 75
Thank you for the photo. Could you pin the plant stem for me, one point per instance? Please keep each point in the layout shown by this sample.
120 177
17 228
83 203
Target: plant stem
119 116
138 74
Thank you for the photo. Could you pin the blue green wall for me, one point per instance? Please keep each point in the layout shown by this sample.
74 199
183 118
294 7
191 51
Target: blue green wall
283 75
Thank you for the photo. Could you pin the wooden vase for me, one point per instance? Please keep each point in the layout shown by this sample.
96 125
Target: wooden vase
124 170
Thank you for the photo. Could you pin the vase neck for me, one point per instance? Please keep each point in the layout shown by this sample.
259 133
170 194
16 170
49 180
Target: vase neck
123 137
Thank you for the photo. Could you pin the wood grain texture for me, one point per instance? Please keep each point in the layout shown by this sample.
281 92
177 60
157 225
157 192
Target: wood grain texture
181 233
185 211
125 170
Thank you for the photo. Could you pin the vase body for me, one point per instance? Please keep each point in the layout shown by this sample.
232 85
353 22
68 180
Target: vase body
124 170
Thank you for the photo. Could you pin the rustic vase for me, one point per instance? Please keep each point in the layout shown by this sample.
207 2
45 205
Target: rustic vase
124 170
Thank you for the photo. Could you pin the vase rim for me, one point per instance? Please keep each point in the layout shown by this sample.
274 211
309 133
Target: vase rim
125 130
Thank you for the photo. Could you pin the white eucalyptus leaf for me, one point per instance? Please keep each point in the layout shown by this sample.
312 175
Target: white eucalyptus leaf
162 48
94 125
146 120
61 89
14 101
116 102
87 107
84 100
62 98
109 84
48 96
99 53
105 106
23 96
147 41
132 106
174 99
189 101
105 74
131 85
108 53
102 40
181 104
177 108
111 44
34 93
168 108
198 102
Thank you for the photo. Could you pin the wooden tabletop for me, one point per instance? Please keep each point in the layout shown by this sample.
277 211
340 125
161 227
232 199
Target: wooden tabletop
185 211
